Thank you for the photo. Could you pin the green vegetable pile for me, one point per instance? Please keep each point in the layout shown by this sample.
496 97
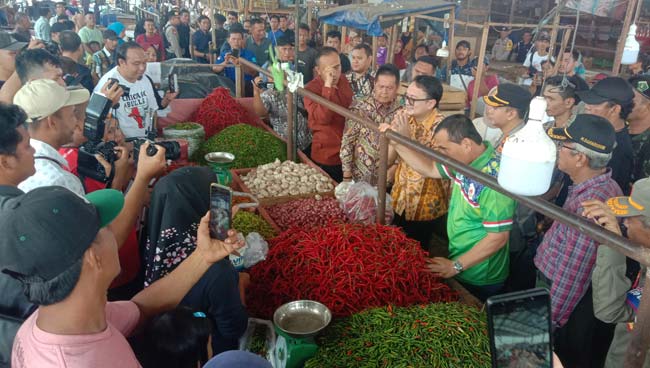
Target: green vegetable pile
258 341
248 222
184 126
435 335
251 146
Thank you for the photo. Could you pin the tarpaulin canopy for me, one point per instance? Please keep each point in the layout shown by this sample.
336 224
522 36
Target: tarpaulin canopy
375 18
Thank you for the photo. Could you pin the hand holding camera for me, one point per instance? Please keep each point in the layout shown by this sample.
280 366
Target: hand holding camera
151 160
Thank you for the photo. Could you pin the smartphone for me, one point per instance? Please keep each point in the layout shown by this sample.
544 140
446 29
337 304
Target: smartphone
519 324
235 53
111 82
220 211
173 83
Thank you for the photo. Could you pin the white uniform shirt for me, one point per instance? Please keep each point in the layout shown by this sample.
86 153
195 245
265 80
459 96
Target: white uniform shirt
50 170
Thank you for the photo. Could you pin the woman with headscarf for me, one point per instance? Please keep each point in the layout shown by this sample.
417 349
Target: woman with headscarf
178 202
119 30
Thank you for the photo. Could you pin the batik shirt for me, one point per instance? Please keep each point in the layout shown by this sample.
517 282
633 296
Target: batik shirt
566 255
361 86
360 145
414 196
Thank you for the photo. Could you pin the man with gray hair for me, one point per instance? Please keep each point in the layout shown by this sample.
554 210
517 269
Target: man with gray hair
565 259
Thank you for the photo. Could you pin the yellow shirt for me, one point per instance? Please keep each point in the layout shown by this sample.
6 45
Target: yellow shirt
416 197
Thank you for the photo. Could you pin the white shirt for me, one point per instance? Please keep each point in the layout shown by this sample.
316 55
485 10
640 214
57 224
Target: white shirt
133 106
50 170
537 61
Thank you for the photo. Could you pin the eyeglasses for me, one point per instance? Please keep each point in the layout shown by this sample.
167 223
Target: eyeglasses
411 101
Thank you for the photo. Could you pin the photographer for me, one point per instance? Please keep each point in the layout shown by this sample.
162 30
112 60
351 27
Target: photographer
51 108
139 92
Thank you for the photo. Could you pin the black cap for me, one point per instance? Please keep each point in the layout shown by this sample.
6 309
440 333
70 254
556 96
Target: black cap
641 84
284 41
46 231
510 95
58 28
590 131
614 89
109 34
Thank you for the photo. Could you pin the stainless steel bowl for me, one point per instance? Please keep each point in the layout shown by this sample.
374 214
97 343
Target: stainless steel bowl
219 157
302 318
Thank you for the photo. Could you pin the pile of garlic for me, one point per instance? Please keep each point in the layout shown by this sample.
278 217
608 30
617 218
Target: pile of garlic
279 179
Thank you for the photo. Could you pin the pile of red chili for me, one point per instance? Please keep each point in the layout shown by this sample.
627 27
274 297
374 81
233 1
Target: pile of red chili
306 212
347 267
219 110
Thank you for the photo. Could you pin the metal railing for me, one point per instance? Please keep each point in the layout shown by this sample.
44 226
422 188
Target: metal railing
640 341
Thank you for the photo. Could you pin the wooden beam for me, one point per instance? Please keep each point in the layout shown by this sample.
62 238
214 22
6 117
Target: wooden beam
513 6
392 40
631 6
374 53
556 23
479 70
492 24
563 46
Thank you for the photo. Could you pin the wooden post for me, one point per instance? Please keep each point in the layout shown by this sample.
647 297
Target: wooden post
374 53
291 143
344 33
513 6
556 23
479 70
563 46
382 177
451 42
238 81
211 7
392 40
631 6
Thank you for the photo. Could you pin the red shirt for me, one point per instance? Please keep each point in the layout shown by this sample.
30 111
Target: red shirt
156 41
326 125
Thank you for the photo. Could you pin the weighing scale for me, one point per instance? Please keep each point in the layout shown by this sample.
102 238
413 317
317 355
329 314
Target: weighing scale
220 162
296 324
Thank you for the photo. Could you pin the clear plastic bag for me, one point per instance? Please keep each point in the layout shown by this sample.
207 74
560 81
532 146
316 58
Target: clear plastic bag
256 250
360 204
341 190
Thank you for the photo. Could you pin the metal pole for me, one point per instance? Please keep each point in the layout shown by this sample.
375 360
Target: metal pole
293 111
290 127
479 70
631 6
382 178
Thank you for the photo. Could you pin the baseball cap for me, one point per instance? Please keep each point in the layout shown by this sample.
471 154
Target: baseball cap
543 36
284 41
614 89
641 84
590 131
47 230
637 204
110 34
43 97
9 43
510 95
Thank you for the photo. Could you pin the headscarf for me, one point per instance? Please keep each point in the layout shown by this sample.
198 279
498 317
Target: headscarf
118 28
178 202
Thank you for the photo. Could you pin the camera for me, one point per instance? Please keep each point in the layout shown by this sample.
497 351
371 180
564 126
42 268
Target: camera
266 85
172 149
235 53
94 125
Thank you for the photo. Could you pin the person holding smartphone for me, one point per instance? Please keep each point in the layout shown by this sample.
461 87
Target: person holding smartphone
231 57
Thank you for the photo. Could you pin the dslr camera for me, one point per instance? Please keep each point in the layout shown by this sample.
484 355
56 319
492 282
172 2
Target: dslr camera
172 148
94 125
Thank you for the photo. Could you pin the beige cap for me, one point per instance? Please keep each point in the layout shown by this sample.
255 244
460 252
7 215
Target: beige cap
43 97
637 204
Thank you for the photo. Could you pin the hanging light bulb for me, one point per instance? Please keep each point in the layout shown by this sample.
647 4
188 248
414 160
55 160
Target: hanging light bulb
528 156
631 48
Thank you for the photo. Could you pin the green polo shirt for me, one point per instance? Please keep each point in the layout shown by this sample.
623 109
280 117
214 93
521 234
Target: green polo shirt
474 211
261 51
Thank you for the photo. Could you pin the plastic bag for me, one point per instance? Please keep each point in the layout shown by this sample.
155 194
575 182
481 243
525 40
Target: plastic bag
238 260
360 204
256 249
341 190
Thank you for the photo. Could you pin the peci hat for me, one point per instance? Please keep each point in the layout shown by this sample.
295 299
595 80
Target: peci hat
614 89
7 42
43 97
637 204
510 95
590 131
47 230
641 84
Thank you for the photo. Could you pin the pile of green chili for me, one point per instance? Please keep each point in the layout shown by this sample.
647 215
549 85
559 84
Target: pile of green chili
247 222
434 335
251 146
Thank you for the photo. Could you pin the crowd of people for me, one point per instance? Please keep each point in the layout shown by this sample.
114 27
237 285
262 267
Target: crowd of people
73 245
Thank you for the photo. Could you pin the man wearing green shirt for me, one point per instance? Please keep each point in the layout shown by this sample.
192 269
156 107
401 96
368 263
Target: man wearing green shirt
90 33
479 218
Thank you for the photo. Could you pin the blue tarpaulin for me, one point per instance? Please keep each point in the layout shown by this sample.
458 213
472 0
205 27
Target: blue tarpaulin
375 18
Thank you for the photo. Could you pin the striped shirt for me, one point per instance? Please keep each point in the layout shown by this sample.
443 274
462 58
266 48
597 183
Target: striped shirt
567 256
474 211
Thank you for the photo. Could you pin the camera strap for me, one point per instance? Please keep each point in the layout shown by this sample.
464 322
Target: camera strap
49 159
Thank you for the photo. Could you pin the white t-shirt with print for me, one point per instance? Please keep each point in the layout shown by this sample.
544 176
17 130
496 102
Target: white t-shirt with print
130 114
536 61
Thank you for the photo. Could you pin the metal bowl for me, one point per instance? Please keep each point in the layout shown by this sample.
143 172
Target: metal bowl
302 318
219 157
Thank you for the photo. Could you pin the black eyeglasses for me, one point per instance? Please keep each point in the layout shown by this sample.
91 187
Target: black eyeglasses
411 101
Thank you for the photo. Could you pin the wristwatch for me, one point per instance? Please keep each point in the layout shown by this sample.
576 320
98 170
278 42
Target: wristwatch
458 267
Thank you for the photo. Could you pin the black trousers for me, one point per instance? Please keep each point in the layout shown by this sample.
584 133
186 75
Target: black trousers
334 171
422 231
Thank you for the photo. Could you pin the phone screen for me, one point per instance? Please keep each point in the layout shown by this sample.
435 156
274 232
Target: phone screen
520 329
235 53
220 211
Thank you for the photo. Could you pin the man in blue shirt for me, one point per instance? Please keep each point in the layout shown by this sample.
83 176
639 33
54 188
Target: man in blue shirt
275 31
236 42
201 40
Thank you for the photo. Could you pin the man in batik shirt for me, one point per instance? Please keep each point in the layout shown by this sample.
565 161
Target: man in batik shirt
361 77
